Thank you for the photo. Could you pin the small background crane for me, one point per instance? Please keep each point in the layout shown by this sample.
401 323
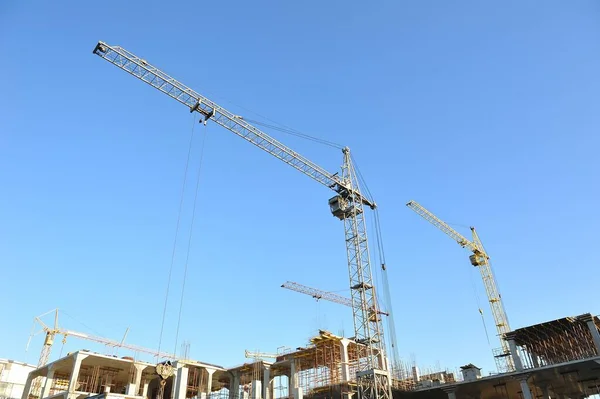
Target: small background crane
259 355
317 294
320 294
52 332
481 260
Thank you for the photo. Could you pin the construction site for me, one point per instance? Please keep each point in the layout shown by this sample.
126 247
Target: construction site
183 178
556 359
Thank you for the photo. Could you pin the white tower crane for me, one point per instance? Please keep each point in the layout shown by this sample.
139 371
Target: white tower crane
372 376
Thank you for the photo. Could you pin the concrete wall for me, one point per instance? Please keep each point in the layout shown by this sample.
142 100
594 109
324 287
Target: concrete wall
13 376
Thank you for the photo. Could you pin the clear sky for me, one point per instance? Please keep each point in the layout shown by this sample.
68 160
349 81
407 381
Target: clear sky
486 113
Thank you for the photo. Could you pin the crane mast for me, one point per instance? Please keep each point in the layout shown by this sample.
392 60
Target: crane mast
372 376
481 260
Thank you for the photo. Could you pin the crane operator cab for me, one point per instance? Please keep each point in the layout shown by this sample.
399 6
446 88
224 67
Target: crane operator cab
342 207
477 259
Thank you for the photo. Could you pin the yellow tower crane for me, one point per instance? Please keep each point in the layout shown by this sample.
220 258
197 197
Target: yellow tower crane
481 260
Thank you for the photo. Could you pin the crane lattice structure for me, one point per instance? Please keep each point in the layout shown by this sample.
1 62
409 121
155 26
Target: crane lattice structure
479 259
372 376
325 295
317 294
258 355
52 332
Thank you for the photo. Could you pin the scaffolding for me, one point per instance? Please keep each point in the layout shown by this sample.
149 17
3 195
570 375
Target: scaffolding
322 373
557 341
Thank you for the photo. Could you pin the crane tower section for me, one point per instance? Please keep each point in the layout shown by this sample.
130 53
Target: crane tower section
348 205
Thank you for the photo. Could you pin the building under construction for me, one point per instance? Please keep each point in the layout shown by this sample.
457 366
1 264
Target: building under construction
556 359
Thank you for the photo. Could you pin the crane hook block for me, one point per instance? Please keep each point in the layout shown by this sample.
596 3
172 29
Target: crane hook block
207 114
196 106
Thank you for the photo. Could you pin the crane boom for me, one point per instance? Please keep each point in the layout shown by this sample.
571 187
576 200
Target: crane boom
257 355
317 294
156 78
115 344
372 372
440 224
320 294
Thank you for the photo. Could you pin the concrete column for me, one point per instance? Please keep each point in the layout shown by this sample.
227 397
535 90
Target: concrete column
108 384
48 384
234 386
545 392
451 392
266 393
294 391
209 380
525 388
256 389
27 387
514 353
180 383
271 388
134 387
145 390
345 360
78 358
292 380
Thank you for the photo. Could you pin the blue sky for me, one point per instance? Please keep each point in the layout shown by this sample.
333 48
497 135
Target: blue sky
484 113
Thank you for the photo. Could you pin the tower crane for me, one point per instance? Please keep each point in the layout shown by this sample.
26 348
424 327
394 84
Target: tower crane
52 332
373 377
480 259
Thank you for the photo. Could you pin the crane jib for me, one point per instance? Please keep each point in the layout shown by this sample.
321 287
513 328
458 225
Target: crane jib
151 75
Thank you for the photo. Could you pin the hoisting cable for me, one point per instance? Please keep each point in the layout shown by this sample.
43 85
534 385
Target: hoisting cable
185 173
385 282
485 328
82 323
386 292
294 132
361 180
478 302
279 126
189 244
